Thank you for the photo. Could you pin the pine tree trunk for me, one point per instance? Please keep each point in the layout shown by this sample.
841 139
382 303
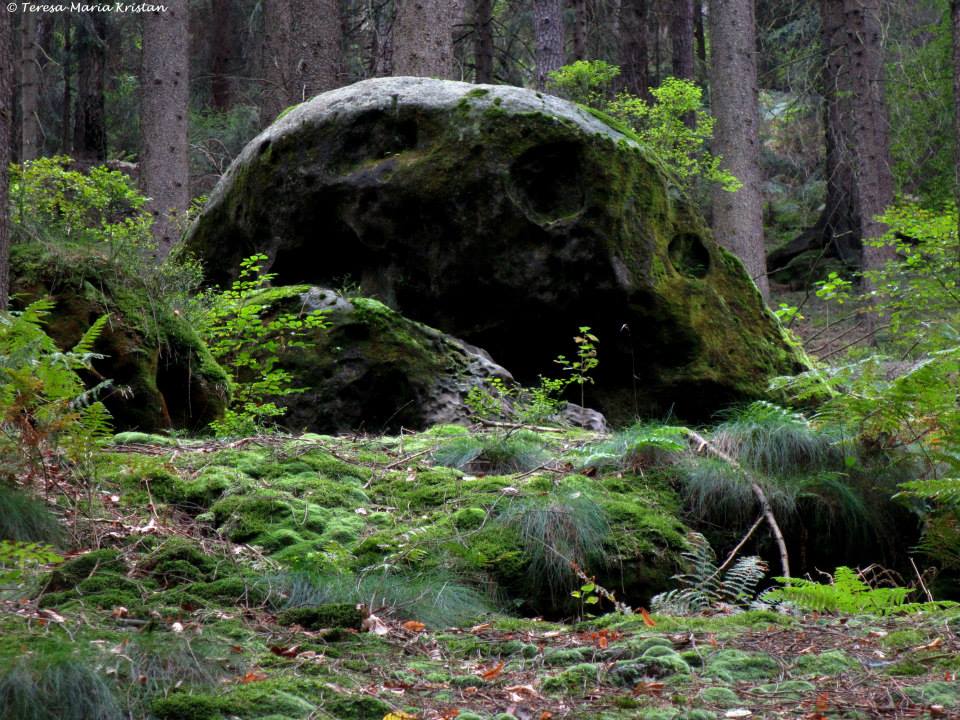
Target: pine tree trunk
955 25
29 87
222 40
681 39
579 29
738 217
7 91
277 74
548 38
164 162
483 40
423 37
634 49
317 47
89 117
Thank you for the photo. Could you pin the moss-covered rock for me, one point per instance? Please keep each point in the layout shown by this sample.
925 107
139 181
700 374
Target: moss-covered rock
507 219
179 561
171 380
77 569
736 665
186 706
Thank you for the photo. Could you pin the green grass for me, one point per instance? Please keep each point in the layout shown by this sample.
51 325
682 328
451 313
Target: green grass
25 518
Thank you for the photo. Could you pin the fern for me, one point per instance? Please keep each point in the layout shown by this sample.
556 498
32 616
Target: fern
704 586
640 445
847 594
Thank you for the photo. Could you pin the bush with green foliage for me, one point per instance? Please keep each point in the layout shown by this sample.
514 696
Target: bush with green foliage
248 341
661 124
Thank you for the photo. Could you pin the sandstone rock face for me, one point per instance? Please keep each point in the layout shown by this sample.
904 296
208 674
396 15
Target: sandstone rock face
509 219
163 375
374 370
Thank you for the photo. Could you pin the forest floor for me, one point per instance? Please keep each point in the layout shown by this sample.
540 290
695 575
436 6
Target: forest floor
183 599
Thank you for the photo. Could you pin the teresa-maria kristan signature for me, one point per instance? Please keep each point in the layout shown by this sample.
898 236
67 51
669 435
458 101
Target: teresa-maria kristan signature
117 7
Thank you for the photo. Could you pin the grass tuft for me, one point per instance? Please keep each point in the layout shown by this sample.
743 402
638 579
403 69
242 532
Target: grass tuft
25 519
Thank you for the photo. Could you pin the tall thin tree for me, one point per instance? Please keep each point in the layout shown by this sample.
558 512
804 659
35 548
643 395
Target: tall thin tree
423 37
483 40
164 163
955 28
634 47
29 87
738 216
90 115
682 31
317 39
548 38
6 127
277 74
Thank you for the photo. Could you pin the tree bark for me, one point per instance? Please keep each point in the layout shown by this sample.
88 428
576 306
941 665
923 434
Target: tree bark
7 91
164 162
483 40
277 73
869 125
579 29
29 87
89 116
548 38
738 216
955 27
423 37
222 41
317 36
634 48
65 125
681 39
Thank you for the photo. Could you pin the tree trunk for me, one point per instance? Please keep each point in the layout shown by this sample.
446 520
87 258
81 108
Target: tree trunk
89 117
423 37
579 29
222 41
317 47
277 74
955 25
869 125
65 125
548 38
29 87
483 40
164 162
681 39
738 216
701 43
634 49
7 91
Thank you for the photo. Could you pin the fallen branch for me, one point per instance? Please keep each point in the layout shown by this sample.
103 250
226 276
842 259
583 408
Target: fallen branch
765 509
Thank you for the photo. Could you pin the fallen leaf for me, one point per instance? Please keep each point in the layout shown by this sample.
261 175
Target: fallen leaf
450 714
119 612
490 674
252 676
648 688
51 615
399 715
413 626
375 625
361 511
480 628
737 713
287 652
177 627
647 620
823 702
932 645
546 715
519 693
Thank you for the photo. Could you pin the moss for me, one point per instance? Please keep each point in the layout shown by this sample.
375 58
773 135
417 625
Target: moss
178 561
937 692
243 517
831 662
737 665
906 668
333 615
101 582
468 518
356 708
576 678
565 656
186 706
462 681
261 699
106 599
630 672
900 639
77 569
229 591
720 696
497 550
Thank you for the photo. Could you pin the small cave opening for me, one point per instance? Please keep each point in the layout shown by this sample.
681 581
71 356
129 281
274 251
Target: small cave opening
689 256
548 179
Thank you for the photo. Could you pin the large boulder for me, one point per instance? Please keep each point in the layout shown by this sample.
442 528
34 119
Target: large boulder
163 375
371 369
507 218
